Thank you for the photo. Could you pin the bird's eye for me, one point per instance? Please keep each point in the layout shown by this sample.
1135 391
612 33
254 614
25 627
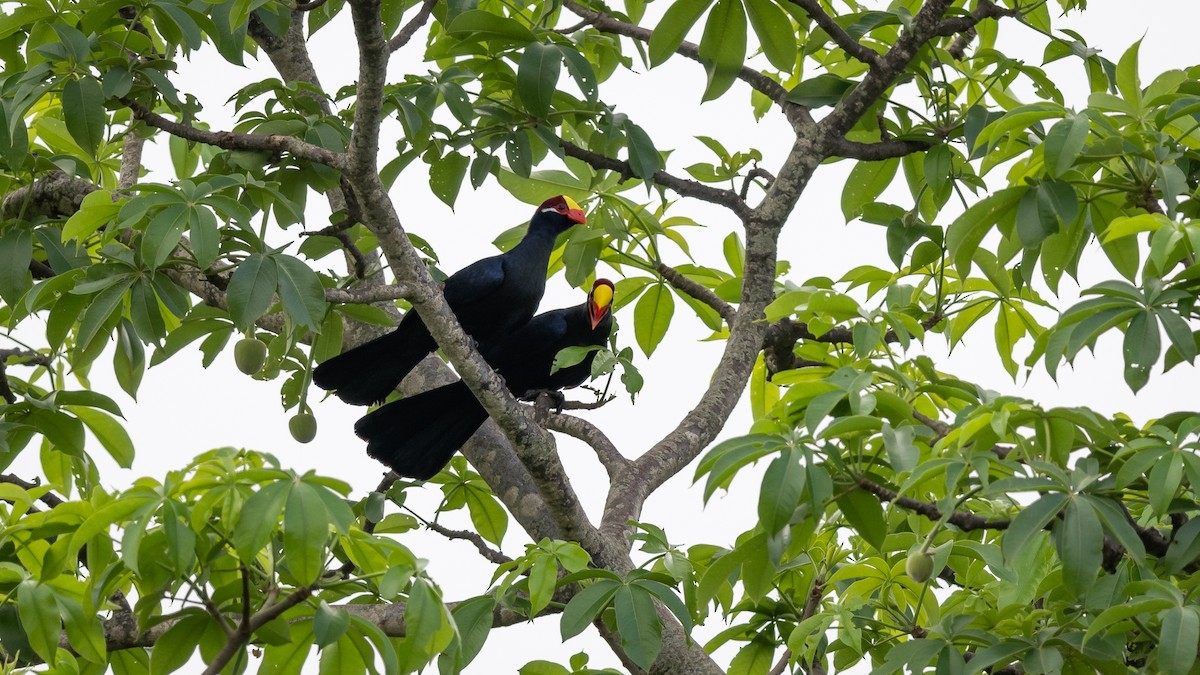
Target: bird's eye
562 207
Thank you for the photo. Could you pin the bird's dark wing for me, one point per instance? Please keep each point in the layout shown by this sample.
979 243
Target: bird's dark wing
475 282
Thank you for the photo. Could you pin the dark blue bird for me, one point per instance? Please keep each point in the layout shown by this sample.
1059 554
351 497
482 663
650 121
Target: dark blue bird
491 298
416 436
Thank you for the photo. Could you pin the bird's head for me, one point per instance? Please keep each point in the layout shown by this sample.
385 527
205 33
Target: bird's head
562 211
599 303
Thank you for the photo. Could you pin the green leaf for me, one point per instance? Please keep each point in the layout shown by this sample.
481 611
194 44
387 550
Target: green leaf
96 210
258 518
1064 142
446 176
542 577
537 77
780 493
674 27
487 515
305 530
1079 538
968 230
1142 346
867 180
1029 521
16 250
205 236
652 317
755 658
83 112
474 621
723 47
581 71
865 514
638 624
643 157
85 633
1127 76
1177 640
109 432
174 648
104 305
163 234
534 188
252 290
775 34
937 167
39 617
819 91
585 606
482 25
329 624
300 291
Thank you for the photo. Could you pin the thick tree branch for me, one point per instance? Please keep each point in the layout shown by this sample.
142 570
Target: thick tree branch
697 291
131 160
683 186
839 35
852 106
365 295
611 458
53 195
414 24
231 140
608 24
373 52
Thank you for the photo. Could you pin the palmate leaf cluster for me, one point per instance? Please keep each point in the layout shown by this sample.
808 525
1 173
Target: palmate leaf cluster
1061 538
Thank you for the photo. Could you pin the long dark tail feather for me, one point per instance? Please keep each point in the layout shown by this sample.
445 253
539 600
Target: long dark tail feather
369 372
417 436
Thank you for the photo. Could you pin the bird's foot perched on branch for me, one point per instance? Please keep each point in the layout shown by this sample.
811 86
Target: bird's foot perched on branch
545 400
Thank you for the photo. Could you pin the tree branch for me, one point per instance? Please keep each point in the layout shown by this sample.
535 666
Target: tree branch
609 24
963 520
697 291
491 554
365 295
839 35
373 52
847 112
231 140
874 152
49 498
52 195
683 186
576 427
414 24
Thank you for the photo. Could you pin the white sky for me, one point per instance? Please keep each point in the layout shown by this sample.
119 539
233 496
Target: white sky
183 410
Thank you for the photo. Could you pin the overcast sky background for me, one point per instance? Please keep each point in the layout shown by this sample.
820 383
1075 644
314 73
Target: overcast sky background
183 410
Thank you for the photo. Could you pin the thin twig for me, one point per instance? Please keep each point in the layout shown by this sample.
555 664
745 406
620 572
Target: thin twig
684 186
414 24
756 172
486 551
697 291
